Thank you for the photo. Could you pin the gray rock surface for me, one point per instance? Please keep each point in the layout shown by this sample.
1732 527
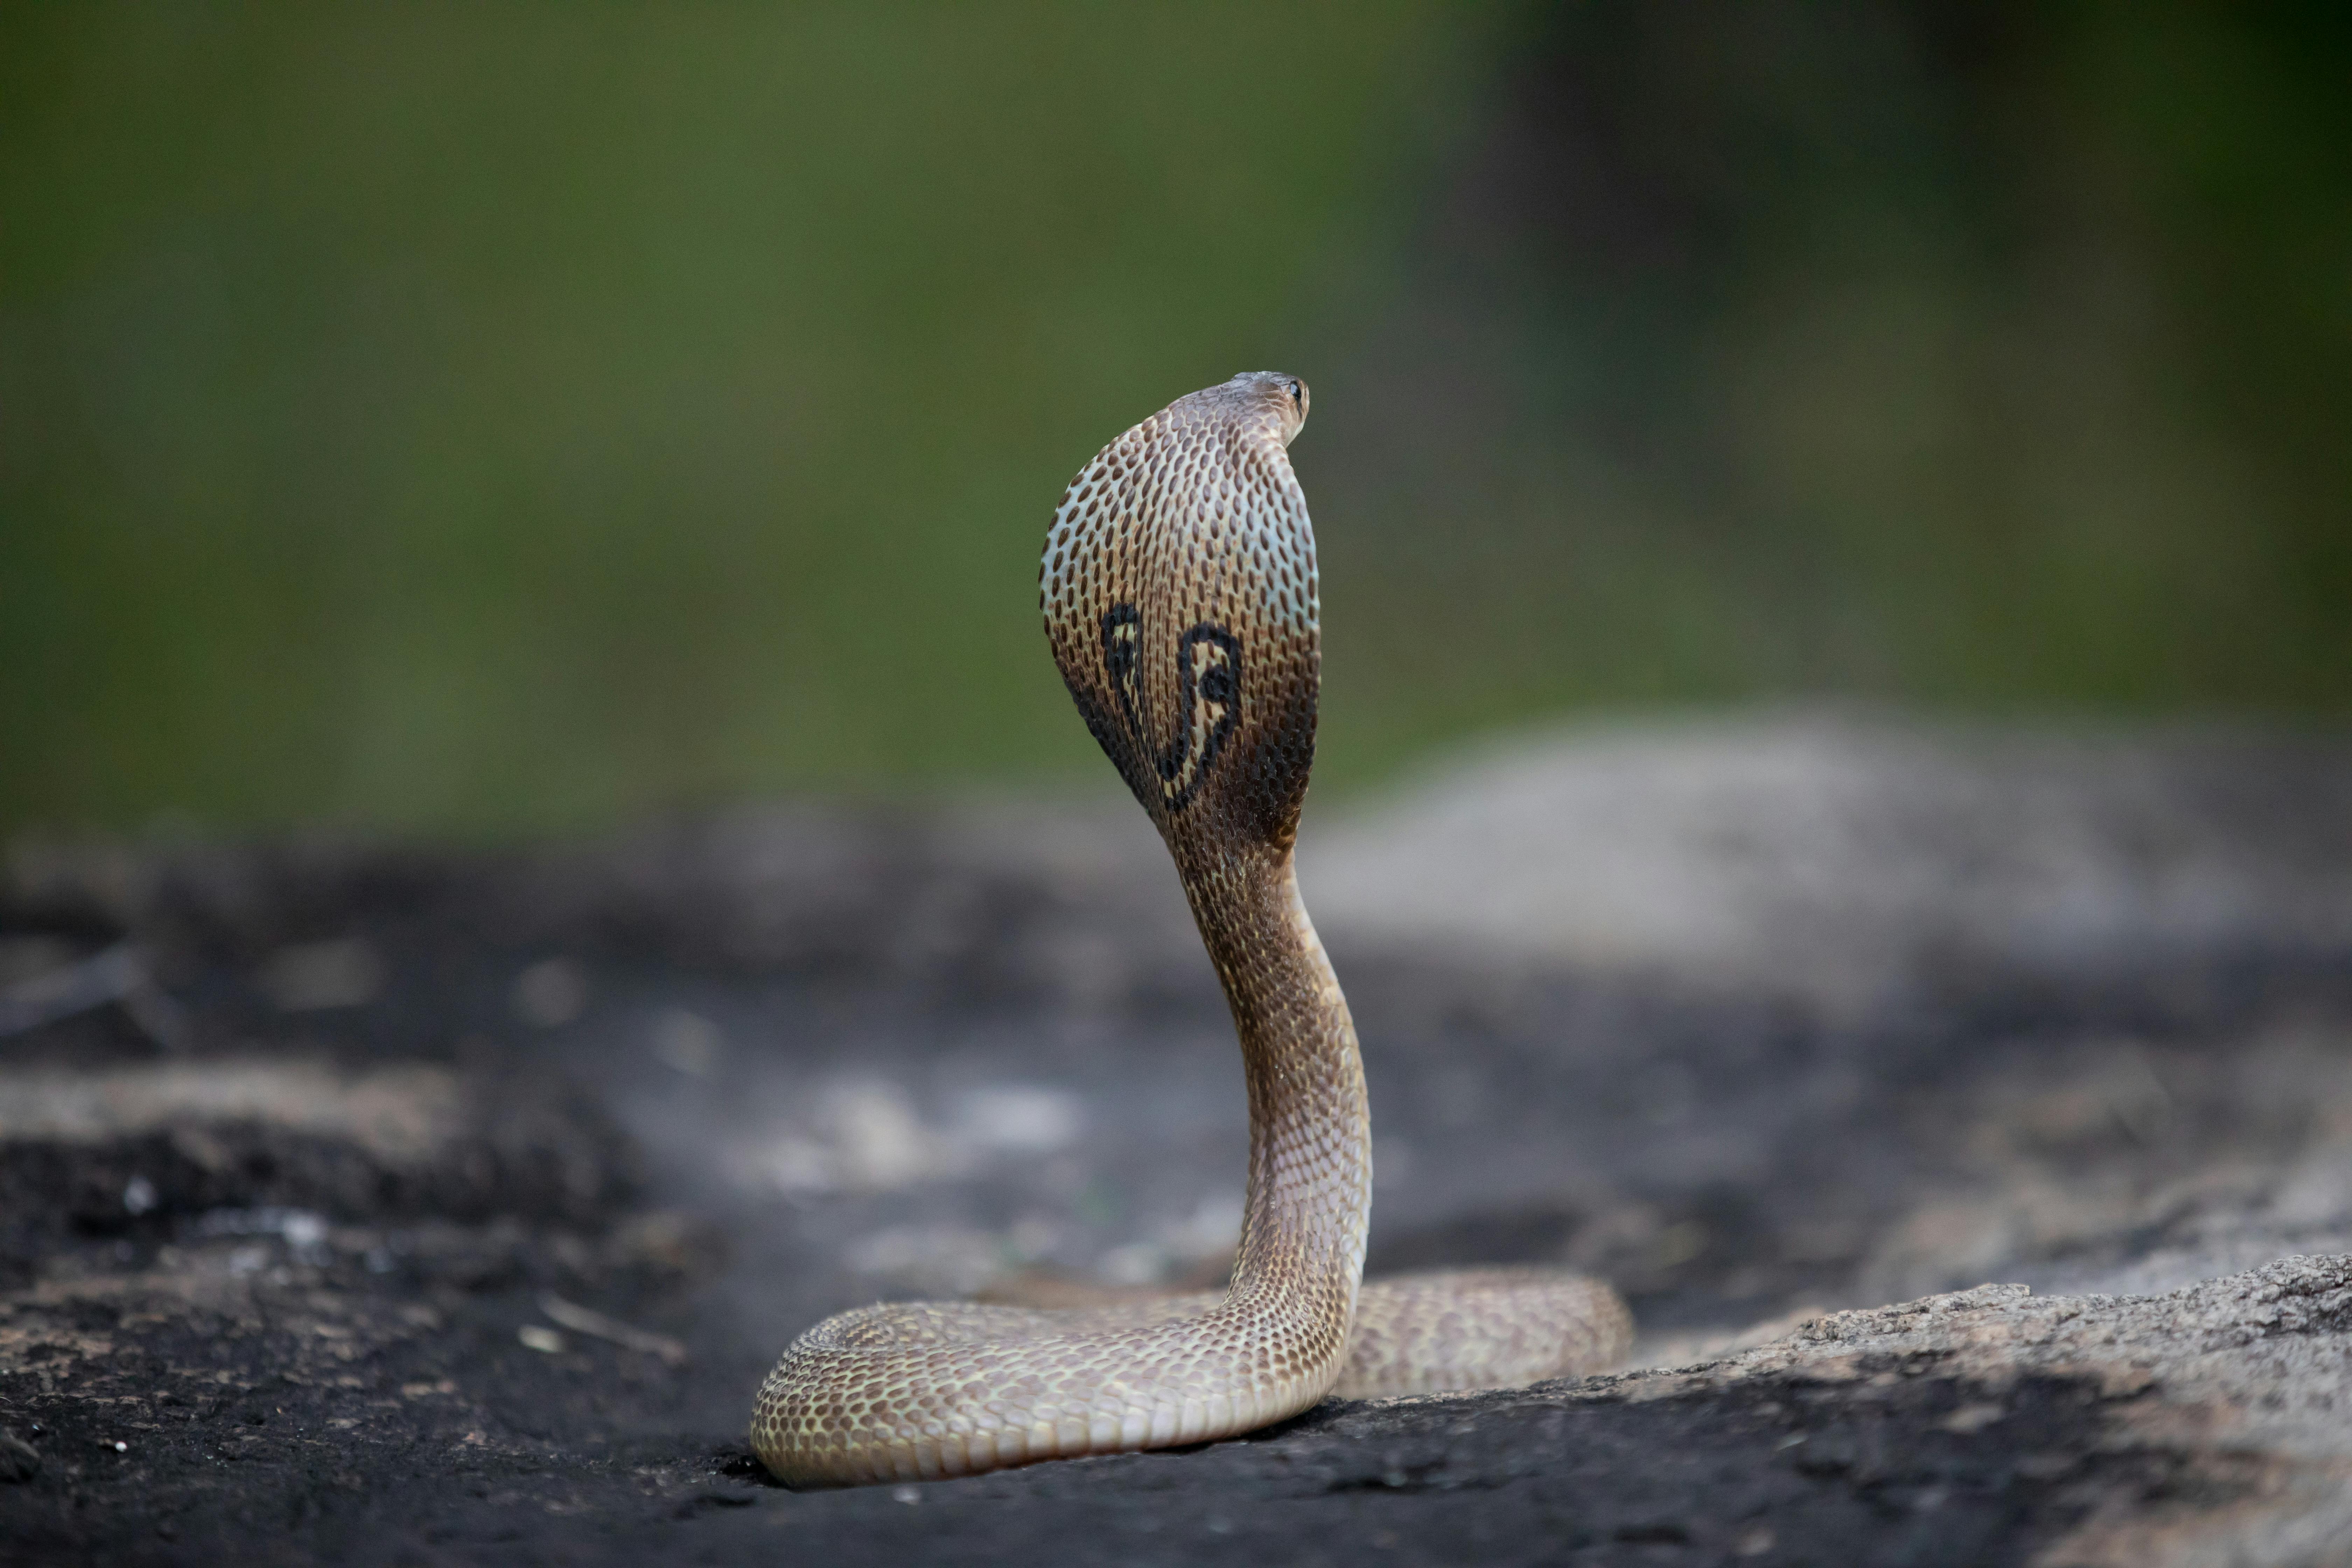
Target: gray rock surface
478 1191
1839 857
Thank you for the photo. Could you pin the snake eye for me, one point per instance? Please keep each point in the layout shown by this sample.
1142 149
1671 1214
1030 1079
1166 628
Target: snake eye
1294 392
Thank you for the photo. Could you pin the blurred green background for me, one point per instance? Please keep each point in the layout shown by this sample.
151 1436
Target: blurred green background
495 419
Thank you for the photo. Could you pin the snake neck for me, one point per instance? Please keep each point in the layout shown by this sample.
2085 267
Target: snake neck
1309 1196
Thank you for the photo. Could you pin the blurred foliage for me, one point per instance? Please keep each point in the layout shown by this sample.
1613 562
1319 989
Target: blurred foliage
1995 357
498 419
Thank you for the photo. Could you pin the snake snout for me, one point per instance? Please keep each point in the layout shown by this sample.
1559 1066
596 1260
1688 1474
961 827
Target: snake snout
1283 395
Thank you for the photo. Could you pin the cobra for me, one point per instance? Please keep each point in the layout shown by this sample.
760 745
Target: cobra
1180 595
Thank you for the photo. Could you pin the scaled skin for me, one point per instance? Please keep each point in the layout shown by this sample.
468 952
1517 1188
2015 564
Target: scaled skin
1180 596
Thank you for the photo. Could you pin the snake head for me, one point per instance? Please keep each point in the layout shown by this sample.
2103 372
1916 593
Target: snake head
1286 395
1179 589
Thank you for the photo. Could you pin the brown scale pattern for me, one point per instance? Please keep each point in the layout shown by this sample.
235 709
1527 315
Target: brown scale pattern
1180 596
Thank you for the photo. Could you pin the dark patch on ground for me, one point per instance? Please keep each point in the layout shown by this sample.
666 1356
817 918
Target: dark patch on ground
1782 1470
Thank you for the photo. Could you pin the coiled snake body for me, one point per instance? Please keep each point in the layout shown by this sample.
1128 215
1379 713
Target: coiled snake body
1180 595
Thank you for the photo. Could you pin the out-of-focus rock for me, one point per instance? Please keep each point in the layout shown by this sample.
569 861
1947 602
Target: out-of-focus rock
145 1146
1839 857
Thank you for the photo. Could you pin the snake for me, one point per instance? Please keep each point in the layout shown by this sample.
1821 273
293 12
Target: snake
1181 602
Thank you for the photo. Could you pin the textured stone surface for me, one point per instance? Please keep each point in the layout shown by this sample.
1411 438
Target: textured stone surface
472 1247
1839 857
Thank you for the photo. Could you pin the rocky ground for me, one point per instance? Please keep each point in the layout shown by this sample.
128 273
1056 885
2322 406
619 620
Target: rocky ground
374 1204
